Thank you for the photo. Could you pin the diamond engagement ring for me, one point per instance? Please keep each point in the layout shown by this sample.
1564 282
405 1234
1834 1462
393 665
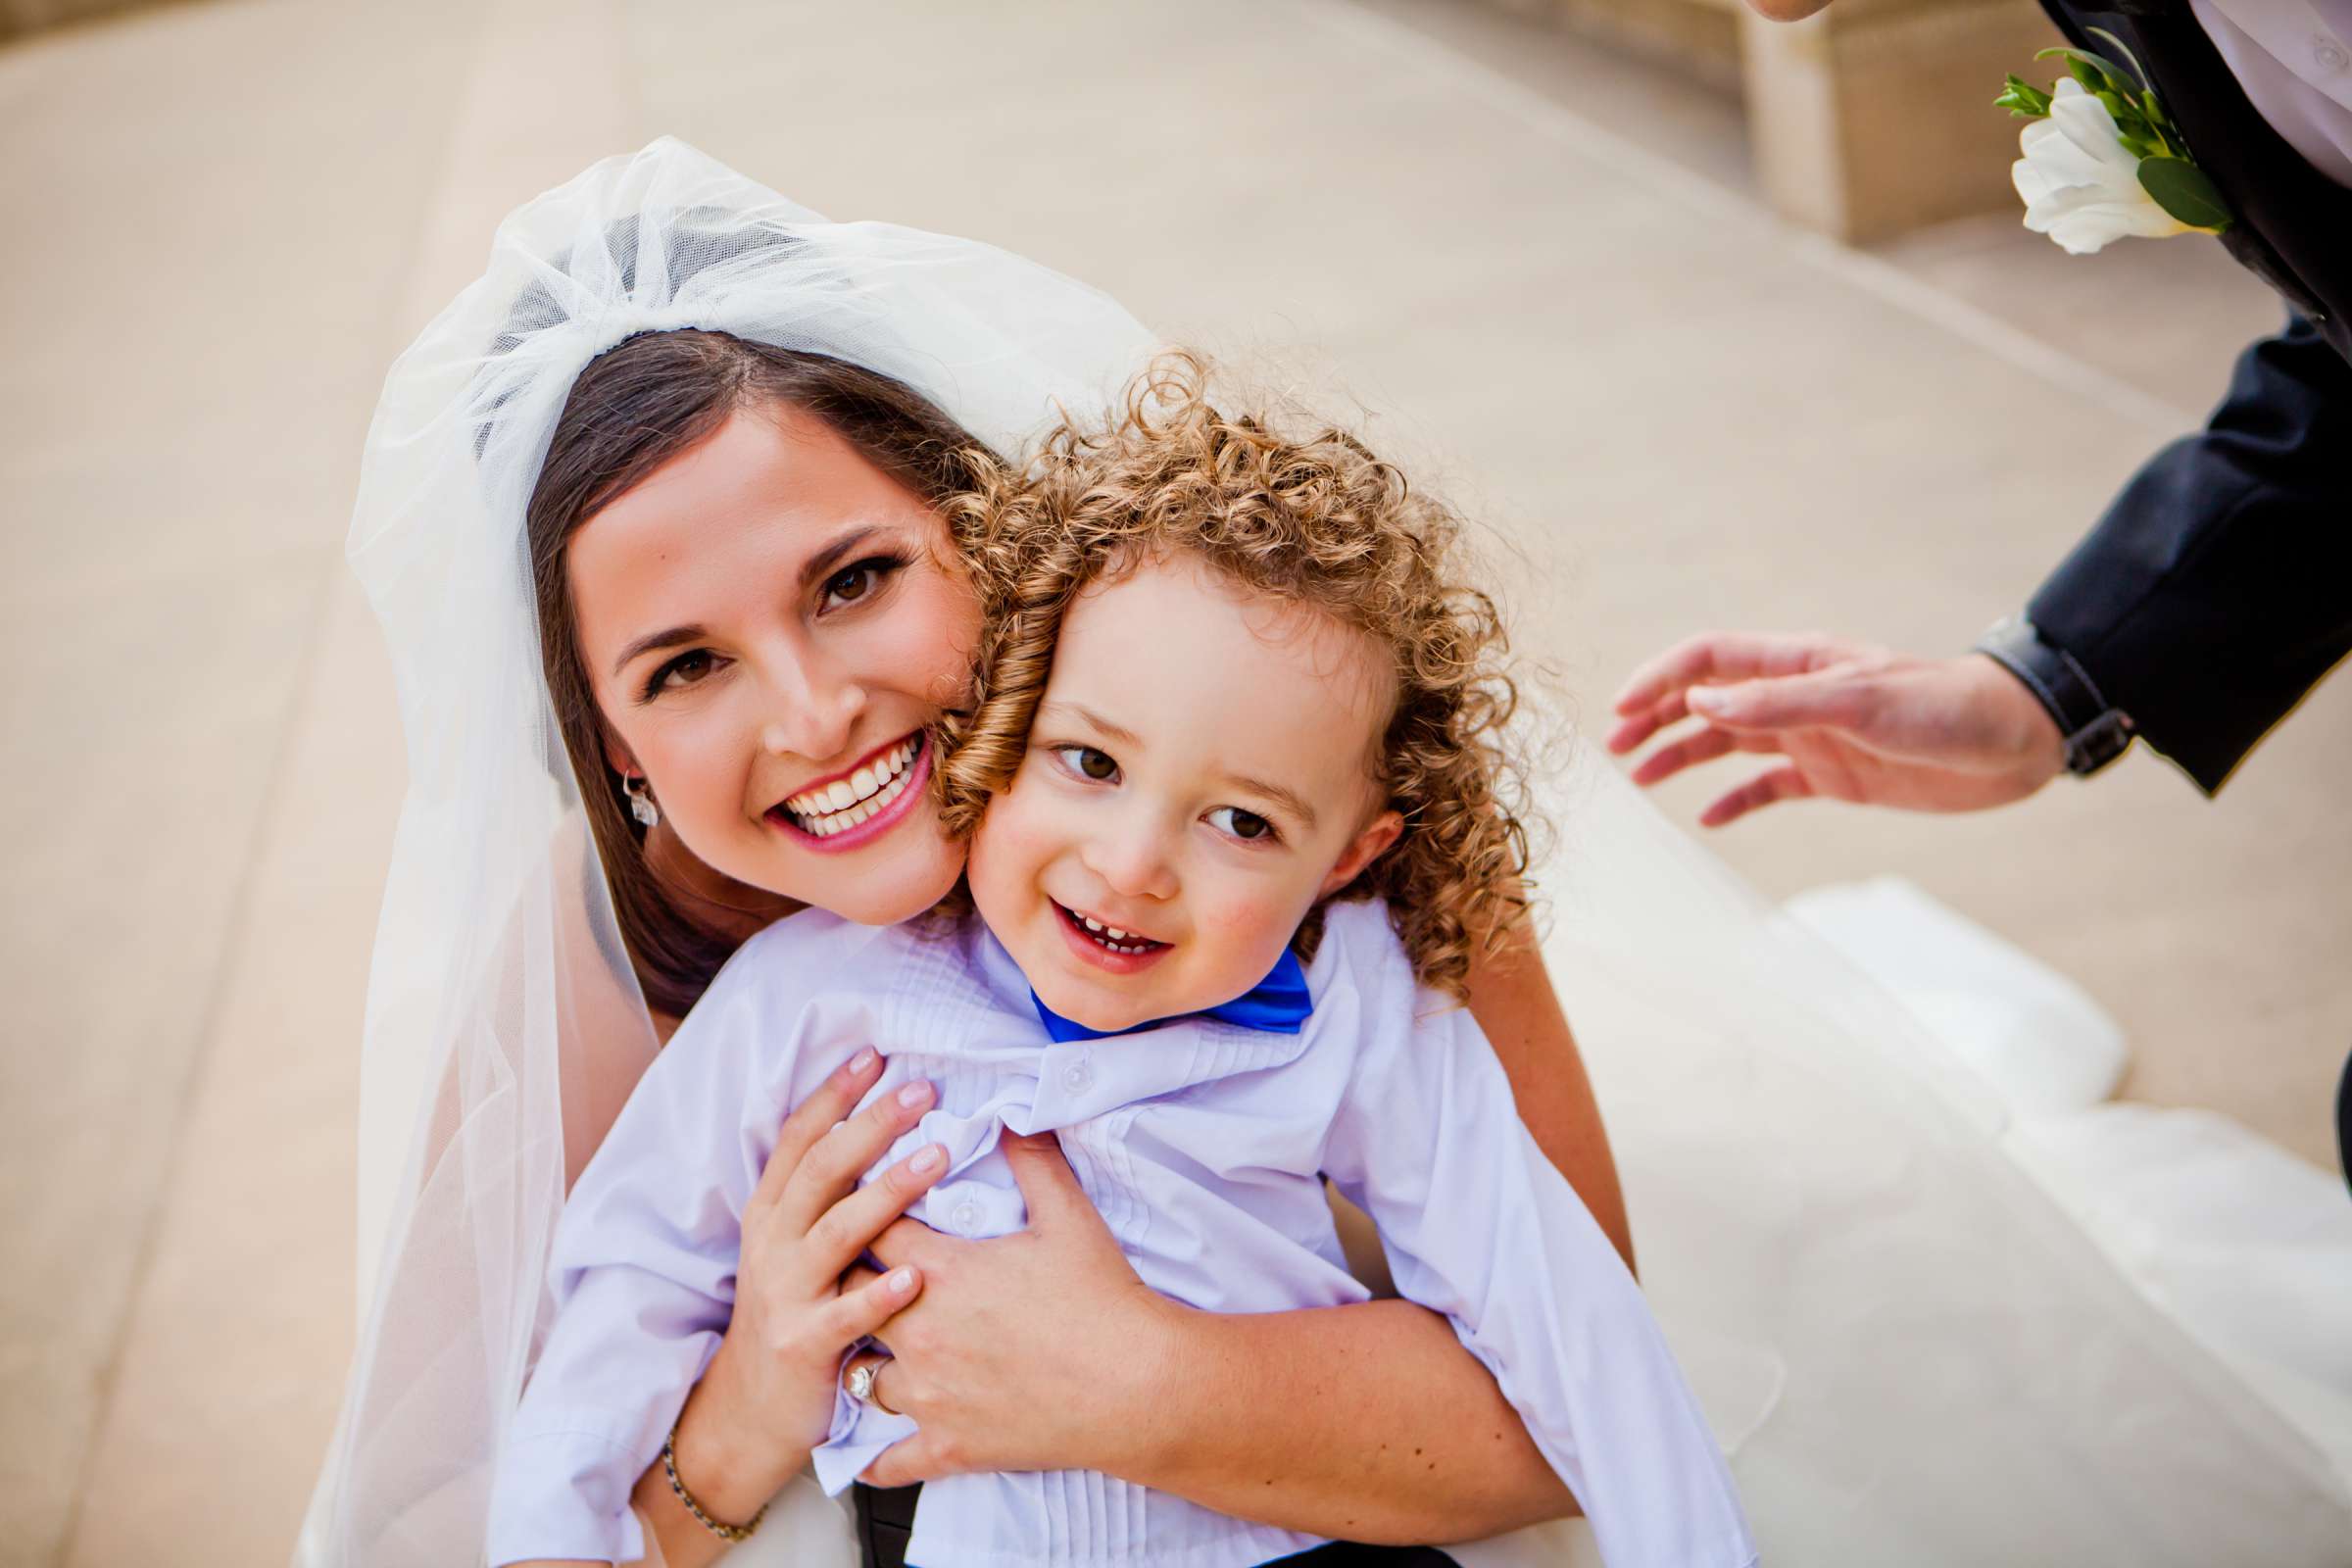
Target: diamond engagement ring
861 1383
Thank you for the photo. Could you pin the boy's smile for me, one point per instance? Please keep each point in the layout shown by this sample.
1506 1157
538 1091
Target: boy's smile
1199 773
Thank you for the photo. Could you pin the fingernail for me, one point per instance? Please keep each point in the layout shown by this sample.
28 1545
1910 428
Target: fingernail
902 1281
862 1060
1705 699
914 1093
929 1160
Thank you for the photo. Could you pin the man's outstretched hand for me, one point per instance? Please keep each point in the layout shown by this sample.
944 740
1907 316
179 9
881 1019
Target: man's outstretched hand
1850 722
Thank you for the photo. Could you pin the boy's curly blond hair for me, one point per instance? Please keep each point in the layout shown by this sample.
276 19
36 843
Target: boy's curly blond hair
1316 520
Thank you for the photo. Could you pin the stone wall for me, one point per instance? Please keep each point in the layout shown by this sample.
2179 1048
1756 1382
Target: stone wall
1870 119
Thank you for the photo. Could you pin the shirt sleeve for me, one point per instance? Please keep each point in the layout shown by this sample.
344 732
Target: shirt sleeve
644 1283
1478 1225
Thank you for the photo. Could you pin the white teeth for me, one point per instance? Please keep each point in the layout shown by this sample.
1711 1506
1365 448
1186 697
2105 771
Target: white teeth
822 816
865 784
1110 936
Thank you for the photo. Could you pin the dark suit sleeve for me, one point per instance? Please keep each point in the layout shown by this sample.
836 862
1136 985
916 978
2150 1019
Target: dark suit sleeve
2218 588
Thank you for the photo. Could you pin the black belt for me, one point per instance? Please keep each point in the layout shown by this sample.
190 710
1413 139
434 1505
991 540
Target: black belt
886 1518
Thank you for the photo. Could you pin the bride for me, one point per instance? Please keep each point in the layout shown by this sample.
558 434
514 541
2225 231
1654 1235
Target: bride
1908 1356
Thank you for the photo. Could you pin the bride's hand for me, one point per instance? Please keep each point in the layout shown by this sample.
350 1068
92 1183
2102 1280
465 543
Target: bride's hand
1850 722
1029 1351
807 1222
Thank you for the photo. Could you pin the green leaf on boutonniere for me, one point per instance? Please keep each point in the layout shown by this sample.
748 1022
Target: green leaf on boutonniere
2185 191
2096 72
2024 100
2130 57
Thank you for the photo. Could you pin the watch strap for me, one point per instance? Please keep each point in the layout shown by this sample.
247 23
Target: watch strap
2097 731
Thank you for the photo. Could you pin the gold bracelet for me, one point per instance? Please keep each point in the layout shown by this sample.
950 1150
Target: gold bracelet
669 1468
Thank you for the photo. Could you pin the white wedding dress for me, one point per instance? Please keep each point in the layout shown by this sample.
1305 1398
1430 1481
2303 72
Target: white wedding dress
1911 1355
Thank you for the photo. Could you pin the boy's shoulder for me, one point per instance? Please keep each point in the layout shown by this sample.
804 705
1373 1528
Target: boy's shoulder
807 952
1361 957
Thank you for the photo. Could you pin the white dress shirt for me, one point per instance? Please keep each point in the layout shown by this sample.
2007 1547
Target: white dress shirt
2294 59
1203 1145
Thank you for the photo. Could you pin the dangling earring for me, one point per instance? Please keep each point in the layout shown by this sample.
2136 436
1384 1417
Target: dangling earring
641 801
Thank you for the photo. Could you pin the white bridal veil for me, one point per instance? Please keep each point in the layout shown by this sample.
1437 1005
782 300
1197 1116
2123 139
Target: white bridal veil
1911 1356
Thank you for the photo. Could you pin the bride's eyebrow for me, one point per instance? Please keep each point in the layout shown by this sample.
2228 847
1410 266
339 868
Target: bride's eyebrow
814 570
674 637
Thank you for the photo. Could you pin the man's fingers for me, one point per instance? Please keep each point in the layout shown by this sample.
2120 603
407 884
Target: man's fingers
1670 760
1831 698
1672 709
1781 784
1721 656
833 1101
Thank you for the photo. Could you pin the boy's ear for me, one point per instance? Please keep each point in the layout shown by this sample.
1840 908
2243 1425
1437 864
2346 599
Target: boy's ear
1368 846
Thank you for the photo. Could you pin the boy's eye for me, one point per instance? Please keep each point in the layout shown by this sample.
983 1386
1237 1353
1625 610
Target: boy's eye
1248 826
852 583
1088 763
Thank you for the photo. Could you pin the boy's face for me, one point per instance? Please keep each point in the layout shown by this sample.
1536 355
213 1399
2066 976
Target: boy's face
1198 775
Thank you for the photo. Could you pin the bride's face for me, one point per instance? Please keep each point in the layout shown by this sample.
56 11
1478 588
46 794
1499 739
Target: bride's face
770 625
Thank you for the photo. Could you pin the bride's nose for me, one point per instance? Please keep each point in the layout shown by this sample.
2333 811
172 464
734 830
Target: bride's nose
812 707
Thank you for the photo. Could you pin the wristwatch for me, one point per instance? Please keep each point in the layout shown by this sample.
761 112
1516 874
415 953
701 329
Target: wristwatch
2097 731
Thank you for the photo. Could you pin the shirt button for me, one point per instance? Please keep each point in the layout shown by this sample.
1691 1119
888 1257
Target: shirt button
965 1217
1076 1076
2333 55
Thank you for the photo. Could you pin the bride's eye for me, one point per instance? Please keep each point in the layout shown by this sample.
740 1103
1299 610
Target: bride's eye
1248 826
860 581
682 671
1088 764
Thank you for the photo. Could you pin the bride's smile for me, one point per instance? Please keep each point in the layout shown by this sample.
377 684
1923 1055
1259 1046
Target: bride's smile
854 806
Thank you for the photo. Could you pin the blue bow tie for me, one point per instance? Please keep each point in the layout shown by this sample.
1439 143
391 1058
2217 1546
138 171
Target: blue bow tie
1279 1005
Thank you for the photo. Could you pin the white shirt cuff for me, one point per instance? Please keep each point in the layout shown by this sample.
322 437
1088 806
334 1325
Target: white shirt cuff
564 1495
858 1434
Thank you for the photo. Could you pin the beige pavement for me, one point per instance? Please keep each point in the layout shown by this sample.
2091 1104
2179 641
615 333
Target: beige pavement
1540 266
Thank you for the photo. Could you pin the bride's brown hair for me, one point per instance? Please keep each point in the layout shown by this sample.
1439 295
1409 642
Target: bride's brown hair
632 409
1314 518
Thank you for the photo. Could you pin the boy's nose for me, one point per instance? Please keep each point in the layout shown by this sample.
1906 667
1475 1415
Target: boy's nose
1134 864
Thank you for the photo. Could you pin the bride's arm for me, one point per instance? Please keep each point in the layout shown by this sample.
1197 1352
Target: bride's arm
1516 1008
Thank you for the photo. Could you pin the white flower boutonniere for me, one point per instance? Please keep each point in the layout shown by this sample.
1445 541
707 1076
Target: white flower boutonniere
2103 159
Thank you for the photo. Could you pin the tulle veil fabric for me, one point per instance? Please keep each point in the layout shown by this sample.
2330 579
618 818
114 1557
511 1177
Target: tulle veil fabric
1910 1356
